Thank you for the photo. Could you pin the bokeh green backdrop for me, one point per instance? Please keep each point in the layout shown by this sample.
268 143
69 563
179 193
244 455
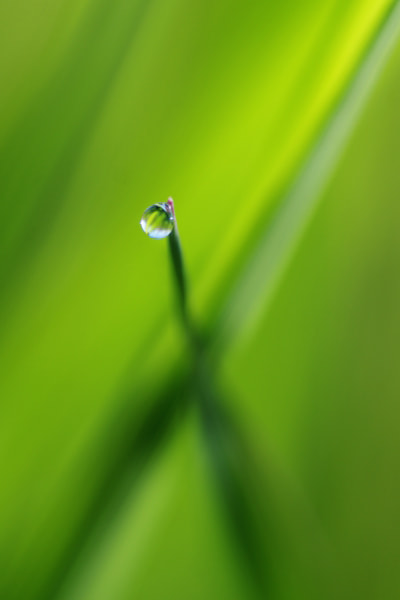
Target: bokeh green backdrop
106 107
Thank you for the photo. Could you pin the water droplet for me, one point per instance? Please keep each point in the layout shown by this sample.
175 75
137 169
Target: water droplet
157 220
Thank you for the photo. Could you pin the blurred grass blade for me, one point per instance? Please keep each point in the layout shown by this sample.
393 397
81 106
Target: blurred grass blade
133 449
230 467
257 281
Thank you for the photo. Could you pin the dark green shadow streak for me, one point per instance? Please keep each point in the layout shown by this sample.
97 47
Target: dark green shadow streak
46 112
230 462
222 437
131 448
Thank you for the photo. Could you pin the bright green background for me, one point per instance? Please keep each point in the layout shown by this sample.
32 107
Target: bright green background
105 108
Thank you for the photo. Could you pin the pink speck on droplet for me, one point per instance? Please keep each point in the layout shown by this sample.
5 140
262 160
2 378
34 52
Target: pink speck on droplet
170 203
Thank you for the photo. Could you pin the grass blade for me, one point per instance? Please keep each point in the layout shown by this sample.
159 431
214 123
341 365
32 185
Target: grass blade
256 283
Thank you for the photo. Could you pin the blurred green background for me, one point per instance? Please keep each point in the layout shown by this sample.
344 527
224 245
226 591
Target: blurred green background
118 480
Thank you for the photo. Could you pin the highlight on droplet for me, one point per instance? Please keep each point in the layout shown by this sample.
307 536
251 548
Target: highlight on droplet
158 220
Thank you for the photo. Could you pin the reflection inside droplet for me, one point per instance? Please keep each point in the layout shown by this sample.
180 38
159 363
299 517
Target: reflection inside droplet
157 220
